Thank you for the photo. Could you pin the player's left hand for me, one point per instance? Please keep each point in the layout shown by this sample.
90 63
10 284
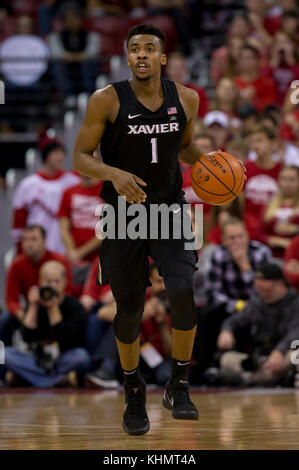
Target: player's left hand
244 169
241 163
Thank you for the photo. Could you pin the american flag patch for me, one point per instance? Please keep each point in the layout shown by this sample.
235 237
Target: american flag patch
172 110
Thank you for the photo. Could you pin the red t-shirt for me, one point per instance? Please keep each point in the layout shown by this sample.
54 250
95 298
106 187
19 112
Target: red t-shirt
203 100
91 287
78 205
267 229
259 188
23 274
150 332
265 91
292 252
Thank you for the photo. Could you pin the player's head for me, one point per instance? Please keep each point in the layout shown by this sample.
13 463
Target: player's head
145 44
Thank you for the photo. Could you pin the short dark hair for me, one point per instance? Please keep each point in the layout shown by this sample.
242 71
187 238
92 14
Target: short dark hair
290 14
28 228
260 129
50 147
272 108
147 29
264 115
248 47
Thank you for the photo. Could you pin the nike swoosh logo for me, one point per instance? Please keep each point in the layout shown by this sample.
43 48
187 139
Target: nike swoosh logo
169 399
175 212
183 363
132 117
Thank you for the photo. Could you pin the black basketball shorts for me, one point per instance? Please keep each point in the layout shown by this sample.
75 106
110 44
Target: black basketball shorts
123 263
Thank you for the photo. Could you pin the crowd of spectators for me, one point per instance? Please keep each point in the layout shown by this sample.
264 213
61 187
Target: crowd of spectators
246 287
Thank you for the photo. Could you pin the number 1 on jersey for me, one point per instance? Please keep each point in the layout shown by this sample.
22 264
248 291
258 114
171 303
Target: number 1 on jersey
154 150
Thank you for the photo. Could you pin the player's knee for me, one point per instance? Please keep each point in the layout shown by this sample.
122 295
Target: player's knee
128 318
182 306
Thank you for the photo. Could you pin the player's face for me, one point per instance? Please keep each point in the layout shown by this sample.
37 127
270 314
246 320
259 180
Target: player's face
145 56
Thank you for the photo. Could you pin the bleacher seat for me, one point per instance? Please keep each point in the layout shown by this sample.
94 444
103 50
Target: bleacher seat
25 7
112 31
165 23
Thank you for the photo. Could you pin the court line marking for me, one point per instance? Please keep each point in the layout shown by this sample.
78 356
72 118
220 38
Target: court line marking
158 427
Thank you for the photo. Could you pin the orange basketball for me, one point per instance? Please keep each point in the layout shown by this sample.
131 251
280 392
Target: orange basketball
217 178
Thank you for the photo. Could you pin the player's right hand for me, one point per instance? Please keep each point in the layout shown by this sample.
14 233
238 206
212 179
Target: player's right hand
127 184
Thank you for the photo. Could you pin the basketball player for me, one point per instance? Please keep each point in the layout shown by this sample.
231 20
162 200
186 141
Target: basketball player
144 125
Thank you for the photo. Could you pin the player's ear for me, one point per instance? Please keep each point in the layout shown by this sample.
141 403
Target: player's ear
163 59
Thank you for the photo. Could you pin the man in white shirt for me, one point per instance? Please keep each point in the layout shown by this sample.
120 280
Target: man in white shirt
38 196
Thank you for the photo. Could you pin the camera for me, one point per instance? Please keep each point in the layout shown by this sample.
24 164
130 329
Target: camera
42 358
253 362
47 293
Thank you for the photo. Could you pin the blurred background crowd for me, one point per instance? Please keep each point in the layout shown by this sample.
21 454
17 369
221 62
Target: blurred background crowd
242 58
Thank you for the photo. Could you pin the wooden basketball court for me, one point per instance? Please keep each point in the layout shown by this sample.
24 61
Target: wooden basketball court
67 419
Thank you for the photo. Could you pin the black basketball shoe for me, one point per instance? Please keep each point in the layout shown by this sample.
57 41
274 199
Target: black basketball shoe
176 398
135 419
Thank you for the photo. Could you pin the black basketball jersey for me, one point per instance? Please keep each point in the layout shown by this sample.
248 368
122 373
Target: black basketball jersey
146 143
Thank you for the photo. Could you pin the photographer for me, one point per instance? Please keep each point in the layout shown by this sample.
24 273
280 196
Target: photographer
272 323
54 328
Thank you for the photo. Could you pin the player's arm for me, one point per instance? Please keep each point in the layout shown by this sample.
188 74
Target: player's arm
102 107
189 151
